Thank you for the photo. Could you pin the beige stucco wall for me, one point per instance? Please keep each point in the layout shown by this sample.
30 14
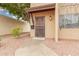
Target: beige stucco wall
7 24
26 27
68 33
68 8
38 4
49 25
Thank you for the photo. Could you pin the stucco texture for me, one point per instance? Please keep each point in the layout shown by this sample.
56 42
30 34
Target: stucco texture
7 24
38 4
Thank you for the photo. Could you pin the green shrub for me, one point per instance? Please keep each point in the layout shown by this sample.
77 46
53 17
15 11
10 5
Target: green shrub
16 32
0 38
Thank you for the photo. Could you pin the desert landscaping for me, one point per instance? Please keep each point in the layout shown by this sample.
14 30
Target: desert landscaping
9 45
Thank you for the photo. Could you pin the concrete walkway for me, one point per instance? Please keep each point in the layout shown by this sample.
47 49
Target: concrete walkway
35 48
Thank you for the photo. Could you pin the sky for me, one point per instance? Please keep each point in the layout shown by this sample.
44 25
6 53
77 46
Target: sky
6 13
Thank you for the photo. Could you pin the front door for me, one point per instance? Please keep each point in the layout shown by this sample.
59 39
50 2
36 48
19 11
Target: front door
40 26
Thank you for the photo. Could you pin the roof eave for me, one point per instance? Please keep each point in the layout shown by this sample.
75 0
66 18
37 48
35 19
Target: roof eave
40 8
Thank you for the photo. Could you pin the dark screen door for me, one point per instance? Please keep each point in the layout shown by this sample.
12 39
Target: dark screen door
40 26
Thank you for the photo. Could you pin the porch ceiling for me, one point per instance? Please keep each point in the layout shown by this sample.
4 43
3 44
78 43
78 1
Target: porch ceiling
42 8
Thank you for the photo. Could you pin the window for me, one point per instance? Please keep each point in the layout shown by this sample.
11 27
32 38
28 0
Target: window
69 21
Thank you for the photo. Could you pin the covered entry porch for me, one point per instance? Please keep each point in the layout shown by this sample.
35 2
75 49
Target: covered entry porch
42 19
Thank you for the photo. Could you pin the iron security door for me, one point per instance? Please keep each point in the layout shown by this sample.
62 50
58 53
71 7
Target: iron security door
40 26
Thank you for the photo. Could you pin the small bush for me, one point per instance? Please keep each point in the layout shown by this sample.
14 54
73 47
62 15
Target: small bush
0 38
16 32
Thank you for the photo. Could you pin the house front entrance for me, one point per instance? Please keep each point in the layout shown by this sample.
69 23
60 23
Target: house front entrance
40 26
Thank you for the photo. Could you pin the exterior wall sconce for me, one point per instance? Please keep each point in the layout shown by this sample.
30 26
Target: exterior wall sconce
32 26
50 18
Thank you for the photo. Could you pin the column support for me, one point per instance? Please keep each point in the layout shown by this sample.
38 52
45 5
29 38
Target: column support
56 22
